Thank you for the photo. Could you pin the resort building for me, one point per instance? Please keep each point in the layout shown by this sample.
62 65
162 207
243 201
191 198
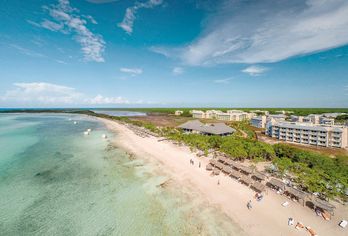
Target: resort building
314 119
198 114
178 113
259 121
308 133
278 117
326 120
195 126
231 115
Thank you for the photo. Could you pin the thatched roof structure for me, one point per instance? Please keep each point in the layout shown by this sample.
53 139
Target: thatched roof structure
209 167
258 175
212 162
227 169
296 193
258 186
277 183
216 171
229 161
219 165
212 129
246 180
236 165
222 159
235 174
324 205
247 170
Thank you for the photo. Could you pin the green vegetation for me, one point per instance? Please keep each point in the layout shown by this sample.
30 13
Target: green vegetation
341 119
237 147
244 127
314 172
297 111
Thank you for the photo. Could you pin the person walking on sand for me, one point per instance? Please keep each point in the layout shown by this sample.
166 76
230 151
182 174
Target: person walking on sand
199 165
218 182
249 206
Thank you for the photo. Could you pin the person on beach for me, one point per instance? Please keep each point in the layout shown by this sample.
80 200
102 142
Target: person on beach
290 221
249 206
199 165
218 182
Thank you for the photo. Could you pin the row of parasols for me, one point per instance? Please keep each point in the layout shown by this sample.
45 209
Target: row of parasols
253 179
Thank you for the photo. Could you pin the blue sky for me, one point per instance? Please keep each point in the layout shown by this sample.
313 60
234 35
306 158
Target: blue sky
167 53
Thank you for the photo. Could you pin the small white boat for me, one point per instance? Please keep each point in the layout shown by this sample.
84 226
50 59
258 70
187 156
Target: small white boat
104 136
75 122
86 133
89 130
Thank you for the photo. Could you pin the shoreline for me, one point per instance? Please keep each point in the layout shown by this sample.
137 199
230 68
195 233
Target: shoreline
229 196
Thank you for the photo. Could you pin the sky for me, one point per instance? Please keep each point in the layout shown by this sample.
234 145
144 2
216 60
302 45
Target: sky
170 53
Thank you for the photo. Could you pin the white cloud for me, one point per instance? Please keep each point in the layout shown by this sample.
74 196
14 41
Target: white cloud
100 100
67 21
26 51
267 31
178 70
43 93
101 1
222 81
130 15
50 25
255 70
132 71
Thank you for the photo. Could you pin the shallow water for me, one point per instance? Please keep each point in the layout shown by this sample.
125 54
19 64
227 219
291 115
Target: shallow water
54 180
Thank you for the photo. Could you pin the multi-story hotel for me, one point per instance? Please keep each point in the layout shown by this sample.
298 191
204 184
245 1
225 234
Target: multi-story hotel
259 121
314 119
308 133
231 115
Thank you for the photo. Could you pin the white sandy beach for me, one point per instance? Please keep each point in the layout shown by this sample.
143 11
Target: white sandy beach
267 217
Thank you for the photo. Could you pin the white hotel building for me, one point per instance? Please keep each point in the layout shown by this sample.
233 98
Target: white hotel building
307 133
231 115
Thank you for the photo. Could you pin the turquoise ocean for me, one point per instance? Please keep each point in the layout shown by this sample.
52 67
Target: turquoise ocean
54 180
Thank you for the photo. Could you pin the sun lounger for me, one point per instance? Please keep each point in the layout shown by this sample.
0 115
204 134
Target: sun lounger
326 215
299 225
311 231
285 204
343 223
